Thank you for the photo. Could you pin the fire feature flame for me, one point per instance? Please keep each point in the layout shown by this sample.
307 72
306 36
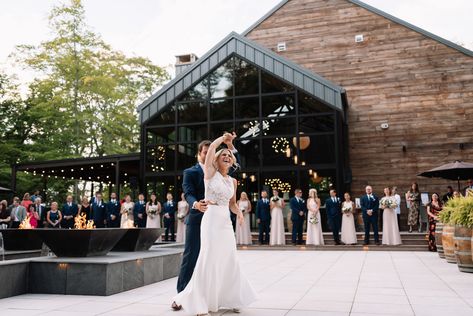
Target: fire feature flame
81 222
25 224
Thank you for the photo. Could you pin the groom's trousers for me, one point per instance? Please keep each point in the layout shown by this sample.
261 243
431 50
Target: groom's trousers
189 258
371 221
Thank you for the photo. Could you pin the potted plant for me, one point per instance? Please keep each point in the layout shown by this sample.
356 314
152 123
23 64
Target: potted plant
462 219
448 230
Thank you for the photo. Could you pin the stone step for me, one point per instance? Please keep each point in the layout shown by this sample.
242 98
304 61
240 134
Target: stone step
358 247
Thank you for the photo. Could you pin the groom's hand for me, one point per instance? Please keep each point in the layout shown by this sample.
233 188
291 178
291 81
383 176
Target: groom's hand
201 206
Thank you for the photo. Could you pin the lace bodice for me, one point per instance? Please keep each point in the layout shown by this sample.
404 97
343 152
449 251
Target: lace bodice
219 190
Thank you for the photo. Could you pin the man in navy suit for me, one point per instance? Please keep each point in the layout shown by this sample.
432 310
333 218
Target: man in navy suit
169 217
263 215
112 209
370 207
69 211
334 214
98 211
41 210
139 211
298 214
194 192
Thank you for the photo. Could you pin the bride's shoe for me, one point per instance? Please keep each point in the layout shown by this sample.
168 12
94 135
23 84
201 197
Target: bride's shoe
236 310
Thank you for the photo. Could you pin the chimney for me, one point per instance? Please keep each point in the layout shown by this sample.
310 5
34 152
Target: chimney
184 61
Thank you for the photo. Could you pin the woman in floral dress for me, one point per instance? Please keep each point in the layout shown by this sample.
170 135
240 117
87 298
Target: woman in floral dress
413 200
433 210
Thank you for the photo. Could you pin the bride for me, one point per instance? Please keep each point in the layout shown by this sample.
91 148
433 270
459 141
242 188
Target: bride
217 281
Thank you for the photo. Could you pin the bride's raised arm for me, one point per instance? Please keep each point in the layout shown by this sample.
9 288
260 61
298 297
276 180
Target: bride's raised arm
209 167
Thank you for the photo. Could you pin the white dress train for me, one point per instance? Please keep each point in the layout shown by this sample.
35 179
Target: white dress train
314 231
217 281
243 232
276 234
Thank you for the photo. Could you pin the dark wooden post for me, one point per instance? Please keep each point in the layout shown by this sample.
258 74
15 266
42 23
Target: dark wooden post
117 178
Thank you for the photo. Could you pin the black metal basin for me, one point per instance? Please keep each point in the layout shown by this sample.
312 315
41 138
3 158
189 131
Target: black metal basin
21 239
81 242
138 239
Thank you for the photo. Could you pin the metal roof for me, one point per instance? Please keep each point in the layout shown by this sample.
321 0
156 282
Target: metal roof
368 7
237 45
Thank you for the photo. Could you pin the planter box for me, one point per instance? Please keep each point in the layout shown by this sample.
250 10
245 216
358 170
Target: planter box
138 239
21 239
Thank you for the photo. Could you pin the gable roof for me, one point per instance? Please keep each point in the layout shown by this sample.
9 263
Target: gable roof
237 45
386 15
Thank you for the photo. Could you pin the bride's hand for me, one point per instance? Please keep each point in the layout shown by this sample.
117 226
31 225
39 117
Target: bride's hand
228 138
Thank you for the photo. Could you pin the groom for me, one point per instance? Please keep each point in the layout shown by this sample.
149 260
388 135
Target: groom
370 206
194 191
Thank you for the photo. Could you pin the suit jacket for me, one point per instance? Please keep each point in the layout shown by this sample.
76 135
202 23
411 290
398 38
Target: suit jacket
69 210
42 212
113 209
18 212
369 204
170 210
140 209
296 207
332 208
263 211
98 213
194 190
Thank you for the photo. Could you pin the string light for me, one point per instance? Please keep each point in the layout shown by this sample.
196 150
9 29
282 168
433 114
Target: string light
280 145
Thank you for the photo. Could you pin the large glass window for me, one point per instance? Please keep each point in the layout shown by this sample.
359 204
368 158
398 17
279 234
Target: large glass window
279 105
192 112
221 81
192 133
221 110
246 78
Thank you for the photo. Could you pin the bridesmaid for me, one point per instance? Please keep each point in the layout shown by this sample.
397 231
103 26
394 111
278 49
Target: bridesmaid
314 230
391 234
182 211
348 223
413 200
127 219
243 232
153 208
276 235
433 210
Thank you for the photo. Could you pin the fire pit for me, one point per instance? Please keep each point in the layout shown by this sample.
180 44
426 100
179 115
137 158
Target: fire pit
21 239
138 239
81 242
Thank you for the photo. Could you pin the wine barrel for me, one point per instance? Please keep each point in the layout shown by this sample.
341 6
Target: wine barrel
447 242
462 241
438 239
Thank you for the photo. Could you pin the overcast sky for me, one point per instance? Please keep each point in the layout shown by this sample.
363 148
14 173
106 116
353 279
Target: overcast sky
160 29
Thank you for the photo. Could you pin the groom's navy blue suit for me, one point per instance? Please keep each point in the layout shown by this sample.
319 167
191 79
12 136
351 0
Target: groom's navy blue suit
194 191
366 204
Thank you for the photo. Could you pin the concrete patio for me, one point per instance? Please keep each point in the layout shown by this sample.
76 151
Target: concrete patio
298 283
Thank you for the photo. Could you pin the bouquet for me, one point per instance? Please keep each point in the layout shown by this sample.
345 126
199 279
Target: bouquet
153 210
346 210
181 216
275 198
313 219
387 203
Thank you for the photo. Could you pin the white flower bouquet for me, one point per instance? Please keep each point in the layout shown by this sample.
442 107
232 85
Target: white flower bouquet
181 216
387 203
313 219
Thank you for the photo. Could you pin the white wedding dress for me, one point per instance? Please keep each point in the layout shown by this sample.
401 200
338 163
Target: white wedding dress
217 281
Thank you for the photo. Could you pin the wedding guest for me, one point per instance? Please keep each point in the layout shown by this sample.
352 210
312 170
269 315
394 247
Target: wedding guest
41 210
26 202
153 211
85 208
5 217
263 218
69 211
456 194
114 210
468 188
369 207
139 211
35 196
169 211
243 232
433 209
277 235
182 211
32 215
397 197
391 234
413 202
333 209
348 223
299 211
314 224
126 211
54 216
447 195
18 213
98 208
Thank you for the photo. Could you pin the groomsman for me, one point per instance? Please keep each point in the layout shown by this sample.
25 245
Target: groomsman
263 215
99 211
334 213
139 212
370 208
113 211
41 210
299 211
69 211
169 212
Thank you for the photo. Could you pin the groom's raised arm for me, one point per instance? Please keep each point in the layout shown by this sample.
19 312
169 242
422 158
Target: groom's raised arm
189 188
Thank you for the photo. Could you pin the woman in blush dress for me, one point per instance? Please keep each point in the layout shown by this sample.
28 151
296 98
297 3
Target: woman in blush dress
126 210
276 234
182 211
348 223
391 234
314 225
243 232
153 209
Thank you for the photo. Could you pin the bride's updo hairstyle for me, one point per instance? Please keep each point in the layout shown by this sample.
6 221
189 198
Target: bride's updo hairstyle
217 155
